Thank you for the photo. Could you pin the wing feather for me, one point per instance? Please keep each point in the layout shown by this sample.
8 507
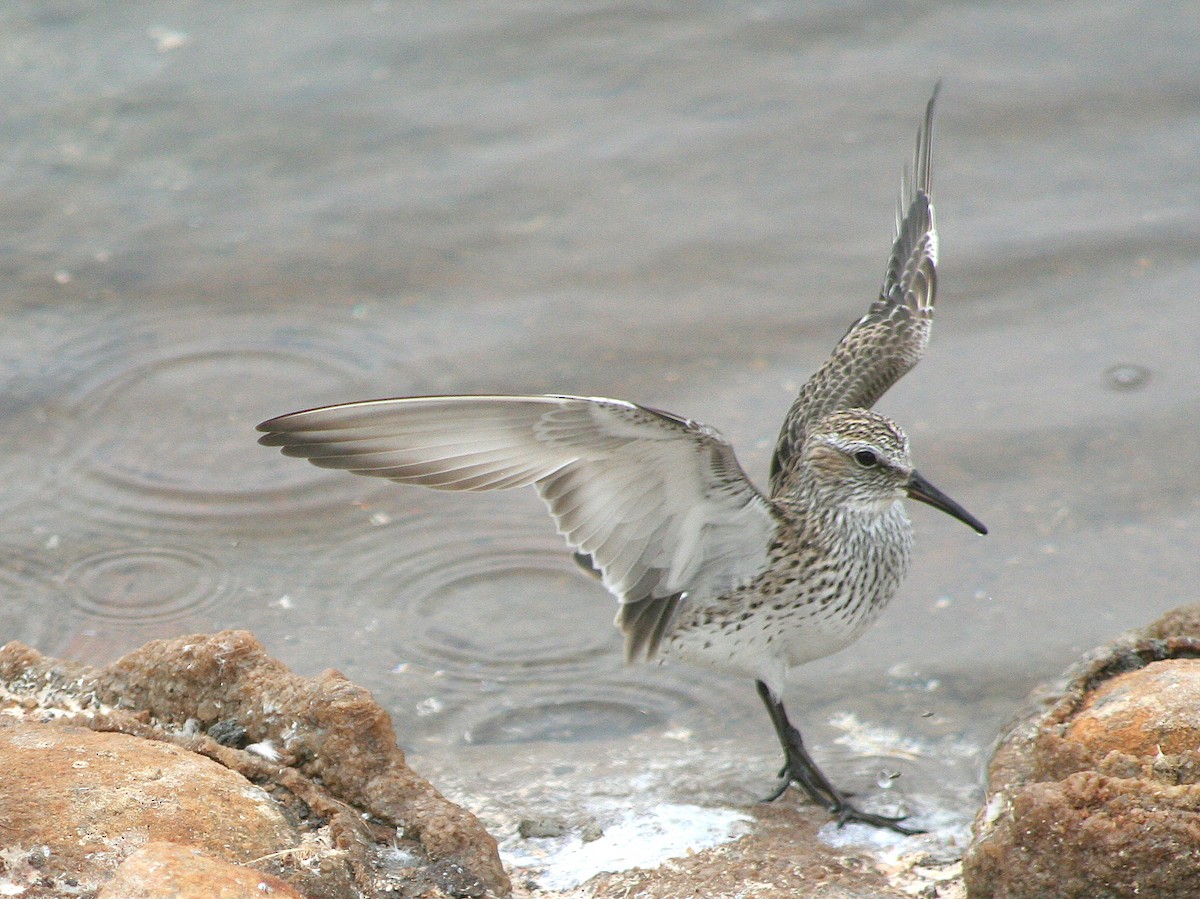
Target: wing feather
890 339
658 502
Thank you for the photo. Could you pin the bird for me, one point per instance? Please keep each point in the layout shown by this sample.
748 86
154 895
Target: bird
707 568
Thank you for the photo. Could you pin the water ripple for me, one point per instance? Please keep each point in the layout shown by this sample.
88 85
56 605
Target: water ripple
170 441
145 584
504 604
599 710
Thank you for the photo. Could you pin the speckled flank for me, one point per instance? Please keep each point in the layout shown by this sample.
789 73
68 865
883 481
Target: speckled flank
839 552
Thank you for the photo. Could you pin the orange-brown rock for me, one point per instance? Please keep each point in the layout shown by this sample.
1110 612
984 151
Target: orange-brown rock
1144 713
320 748
94 797
1096 793
158 870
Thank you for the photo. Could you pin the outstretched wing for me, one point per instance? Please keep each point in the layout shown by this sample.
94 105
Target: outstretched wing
889 340
659 503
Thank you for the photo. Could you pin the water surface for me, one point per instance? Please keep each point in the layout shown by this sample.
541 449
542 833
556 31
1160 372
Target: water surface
215 213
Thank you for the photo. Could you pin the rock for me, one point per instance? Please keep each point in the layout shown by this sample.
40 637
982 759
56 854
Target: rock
92 797
782 856
320 748
1096 792
1093 836
1151 711
182 872
541 828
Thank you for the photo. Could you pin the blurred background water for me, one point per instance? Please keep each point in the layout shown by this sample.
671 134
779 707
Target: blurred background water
213 213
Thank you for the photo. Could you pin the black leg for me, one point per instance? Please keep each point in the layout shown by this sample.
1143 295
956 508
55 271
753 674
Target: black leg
799 768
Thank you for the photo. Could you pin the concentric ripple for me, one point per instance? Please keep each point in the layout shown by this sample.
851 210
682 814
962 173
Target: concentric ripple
599 710
143 585
172 442
475 599
167 425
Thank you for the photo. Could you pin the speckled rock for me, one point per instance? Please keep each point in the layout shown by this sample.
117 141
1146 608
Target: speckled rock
1096 792
159 870
92 797
351 819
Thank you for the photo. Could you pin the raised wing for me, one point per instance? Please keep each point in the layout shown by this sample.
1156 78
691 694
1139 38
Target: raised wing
889 340
659 503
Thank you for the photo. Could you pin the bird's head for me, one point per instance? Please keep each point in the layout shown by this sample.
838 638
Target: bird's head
857 460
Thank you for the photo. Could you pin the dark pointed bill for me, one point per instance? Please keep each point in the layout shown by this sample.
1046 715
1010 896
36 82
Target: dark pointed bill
919 488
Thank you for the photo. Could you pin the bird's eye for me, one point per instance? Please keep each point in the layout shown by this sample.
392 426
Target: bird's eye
866 458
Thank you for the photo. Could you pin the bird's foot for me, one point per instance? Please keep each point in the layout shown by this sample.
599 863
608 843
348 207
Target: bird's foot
824 793
815 791
778 791
801 770
850 814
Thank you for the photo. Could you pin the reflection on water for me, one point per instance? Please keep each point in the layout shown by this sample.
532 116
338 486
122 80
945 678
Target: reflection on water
218 214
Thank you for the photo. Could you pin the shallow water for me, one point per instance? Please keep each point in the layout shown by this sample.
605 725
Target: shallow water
215 213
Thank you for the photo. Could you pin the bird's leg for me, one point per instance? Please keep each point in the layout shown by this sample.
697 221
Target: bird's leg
797 765
799 768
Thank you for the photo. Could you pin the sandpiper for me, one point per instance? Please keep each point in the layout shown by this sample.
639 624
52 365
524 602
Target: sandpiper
706 567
